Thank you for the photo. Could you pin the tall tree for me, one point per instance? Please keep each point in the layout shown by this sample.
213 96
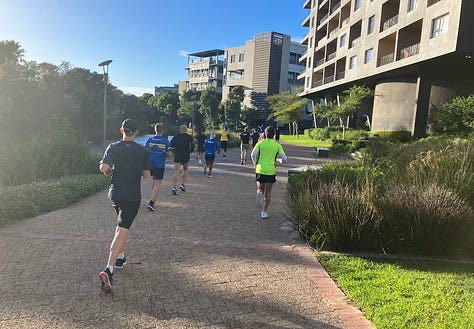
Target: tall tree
351 102
233 106
11 51
287 108
209 105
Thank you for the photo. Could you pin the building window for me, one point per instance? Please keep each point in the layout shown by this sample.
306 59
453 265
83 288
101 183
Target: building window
371 25
232 58
369 55
412 4
352 62
343 40
357 4
294 58
241 57
439 26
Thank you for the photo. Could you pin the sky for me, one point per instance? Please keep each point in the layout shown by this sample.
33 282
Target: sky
147 40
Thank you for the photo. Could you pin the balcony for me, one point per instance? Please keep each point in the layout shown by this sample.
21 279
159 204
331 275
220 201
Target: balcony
307 4
409 51
329 79
317 83
320 62
323 18
345 22
390 22
341 75
432 2
333 32
387 59
355 42
335 7
331 56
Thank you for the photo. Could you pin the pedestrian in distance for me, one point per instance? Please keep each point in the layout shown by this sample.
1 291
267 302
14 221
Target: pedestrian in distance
264 155
224 140
200 140
277 134
159 149
255 137
126 162
210 146
244 145
183 145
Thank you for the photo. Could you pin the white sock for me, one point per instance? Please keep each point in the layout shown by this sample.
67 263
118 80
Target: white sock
111 268
121 255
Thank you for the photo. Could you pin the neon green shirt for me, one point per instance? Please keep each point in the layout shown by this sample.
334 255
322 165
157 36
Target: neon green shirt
224 136
265 153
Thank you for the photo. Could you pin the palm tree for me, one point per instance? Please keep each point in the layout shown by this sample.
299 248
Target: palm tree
11 51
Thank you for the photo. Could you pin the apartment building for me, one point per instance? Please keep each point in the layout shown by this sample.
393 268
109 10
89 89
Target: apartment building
205 70
415 54
266 65
166 89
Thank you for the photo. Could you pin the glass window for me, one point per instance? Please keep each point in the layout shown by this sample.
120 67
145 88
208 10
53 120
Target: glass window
232 58
241 57
357 4
439 26
343 40
369 55
371 25
352 62
412 4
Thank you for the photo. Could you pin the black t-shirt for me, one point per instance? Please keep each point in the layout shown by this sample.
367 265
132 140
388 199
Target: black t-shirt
245 137
183 145
255 136
127 160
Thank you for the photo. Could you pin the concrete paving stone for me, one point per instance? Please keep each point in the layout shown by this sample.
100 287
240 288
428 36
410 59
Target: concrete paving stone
204 259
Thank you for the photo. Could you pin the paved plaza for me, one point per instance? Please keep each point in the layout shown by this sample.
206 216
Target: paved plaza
203 259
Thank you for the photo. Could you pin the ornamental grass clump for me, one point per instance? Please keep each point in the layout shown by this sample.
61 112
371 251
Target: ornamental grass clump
425 220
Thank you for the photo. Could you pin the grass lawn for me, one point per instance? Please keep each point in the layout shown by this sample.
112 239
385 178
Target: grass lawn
408 294
305 141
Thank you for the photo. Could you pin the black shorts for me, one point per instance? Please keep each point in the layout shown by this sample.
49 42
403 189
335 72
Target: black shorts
224 145
126 212
200 148
181 159
210 158
157 173
265 178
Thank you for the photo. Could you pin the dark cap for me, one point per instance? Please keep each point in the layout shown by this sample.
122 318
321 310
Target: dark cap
129 126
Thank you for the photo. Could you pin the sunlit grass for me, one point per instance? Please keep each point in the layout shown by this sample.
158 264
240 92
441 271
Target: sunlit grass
407 294
304 141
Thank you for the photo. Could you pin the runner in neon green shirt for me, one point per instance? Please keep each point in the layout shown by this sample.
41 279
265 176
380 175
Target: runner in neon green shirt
264 155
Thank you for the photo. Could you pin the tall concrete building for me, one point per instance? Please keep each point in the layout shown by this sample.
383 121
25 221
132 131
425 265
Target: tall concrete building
416 54
266 65
205 70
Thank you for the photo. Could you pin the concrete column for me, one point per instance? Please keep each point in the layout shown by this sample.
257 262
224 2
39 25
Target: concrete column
422 105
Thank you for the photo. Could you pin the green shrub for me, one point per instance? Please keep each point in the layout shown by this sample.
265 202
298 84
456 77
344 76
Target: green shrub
428 220
394 136
47 195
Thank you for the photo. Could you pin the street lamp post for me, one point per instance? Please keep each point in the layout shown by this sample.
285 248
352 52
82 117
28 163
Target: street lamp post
105 67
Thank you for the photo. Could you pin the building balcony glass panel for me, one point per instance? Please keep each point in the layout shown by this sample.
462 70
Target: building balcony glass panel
384 60
345 22
432 2
318 83
341 75
410 51
320 62
331 56
333 32
355 42
324 18
335 7
390 22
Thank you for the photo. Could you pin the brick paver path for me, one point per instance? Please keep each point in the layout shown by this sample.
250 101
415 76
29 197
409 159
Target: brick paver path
204 259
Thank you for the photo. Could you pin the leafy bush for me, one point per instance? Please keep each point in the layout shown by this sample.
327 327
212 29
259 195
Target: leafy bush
47 195
455 118
428 220
40 159
394 136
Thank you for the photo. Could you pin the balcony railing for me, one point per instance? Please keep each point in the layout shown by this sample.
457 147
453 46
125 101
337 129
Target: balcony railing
331 33
390 22
410 51
344 22
317 83
384 60
335 7
355 42
331 56
341 75
324 18
329 79
319 62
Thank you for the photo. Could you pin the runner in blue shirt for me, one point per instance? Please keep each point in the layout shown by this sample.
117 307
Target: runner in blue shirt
210 146
159 148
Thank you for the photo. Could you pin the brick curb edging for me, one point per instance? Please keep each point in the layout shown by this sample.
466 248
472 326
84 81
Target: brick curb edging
350 315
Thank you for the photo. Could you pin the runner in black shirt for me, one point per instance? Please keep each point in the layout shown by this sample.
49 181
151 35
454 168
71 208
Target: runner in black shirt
244 145
183 145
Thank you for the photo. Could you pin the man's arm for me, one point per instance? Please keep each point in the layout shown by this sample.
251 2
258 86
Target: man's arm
146 173
254 155
105 169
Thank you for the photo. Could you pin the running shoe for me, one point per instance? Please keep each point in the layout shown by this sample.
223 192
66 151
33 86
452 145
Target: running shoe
120 262
174 191
105 278
205 171
182 187
263 215
200 161
241 162
151 206
259 199
209 176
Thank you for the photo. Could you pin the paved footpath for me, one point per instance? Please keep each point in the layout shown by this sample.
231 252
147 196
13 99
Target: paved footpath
204 259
